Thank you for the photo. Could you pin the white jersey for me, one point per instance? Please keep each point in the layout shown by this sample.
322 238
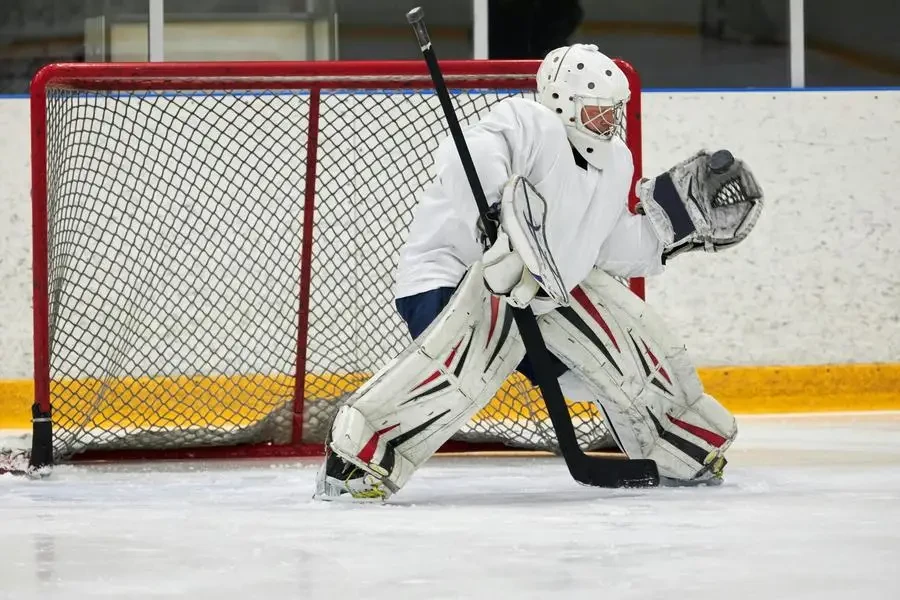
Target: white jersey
588 222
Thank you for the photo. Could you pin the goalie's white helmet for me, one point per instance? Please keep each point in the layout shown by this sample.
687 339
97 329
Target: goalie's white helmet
588 92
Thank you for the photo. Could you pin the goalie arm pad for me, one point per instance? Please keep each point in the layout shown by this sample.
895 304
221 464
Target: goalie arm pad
709 201
523 217
520 262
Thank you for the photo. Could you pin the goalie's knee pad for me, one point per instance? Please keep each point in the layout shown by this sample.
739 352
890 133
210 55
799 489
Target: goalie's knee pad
401 416
642 379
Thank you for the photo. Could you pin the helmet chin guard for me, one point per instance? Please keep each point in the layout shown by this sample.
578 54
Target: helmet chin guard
578 76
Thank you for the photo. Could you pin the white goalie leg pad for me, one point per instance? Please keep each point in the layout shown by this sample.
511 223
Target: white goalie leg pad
402 415
642 379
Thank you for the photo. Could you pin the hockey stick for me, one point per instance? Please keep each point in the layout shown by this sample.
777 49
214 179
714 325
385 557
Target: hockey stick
589 470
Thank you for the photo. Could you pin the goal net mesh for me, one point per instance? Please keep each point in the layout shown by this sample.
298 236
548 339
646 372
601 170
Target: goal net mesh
176 221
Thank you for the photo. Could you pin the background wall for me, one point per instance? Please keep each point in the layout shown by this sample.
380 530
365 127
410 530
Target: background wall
15 241
817 282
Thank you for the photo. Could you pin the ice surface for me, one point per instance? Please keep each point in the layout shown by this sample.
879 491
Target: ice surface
810 509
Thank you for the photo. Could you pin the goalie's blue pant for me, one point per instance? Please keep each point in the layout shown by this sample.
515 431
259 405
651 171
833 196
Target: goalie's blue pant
419 310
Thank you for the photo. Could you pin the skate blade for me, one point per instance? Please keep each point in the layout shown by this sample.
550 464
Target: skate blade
670 482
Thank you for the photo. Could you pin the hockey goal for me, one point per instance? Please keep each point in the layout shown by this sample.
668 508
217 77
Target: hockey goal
214 246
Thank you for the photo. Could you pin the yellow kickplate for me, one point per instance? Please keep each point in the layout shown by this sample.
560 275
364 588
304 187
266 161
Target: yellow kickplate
16 397
217 401
826 388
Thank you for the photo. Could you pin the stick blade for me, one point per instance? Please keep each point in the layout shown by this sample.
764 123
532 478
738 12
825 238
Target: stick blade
615 472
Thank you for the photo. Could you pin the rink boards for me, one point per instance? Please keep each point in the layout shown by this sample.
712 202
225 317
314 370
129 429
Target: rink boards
240 399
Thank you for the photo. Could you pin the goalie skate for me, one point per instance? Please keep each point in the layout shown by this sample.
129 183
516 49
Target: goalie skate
340 480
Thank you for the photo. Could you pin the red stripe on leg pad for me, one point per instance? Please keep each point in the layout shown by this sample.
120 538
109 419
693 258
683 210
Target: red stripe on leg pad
437 374
452 354
704 434
368 450
495 310
587 305
430 378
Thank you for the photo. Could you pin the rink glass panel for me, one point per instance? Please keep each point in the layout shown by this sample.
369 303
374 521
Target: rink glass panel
215 247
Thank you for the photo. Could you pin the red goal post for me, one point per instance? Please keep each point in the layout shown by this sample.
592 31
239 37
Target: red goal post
213 246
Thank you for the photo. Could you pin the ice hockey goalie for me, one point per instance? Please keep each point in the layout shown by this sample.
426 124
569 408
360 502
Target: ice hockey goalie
557 174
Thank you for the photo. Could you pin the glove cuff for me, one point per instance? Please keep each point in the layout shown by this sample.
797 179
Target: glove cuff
664 207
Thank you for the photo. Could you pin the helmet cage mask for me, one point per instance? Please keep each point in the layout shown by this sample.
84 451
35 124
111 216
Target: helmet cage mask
611 117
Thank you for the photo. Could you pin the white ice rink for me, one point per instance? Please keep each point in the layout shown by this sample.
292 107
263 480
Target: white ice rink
810 509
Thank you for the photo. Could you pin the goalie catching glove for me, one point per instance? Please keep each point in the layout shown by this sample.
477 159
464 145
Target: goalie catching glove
708 202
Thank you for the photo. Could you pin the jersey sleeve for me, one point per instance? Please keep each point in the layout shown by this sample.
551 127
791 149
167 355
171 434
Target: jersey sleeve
518 137
502 144
521 137
441 243
632 248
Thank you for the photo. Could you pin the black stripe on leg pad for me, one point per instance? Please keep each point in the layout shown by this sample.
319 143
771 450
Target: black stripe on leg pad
569 314
692 450
665 194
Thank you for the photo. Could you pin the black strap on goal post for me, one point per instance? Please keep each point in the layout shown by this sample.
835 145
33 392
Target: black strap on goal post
607 472
42 438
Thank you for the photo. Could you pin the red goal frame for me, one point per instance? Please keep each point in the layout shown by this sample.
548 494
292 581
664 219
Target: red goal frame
311 76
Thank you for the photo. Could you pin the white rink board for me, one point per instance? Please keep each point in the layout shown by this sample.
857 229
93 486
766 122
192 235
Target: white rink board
810 510
816 283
